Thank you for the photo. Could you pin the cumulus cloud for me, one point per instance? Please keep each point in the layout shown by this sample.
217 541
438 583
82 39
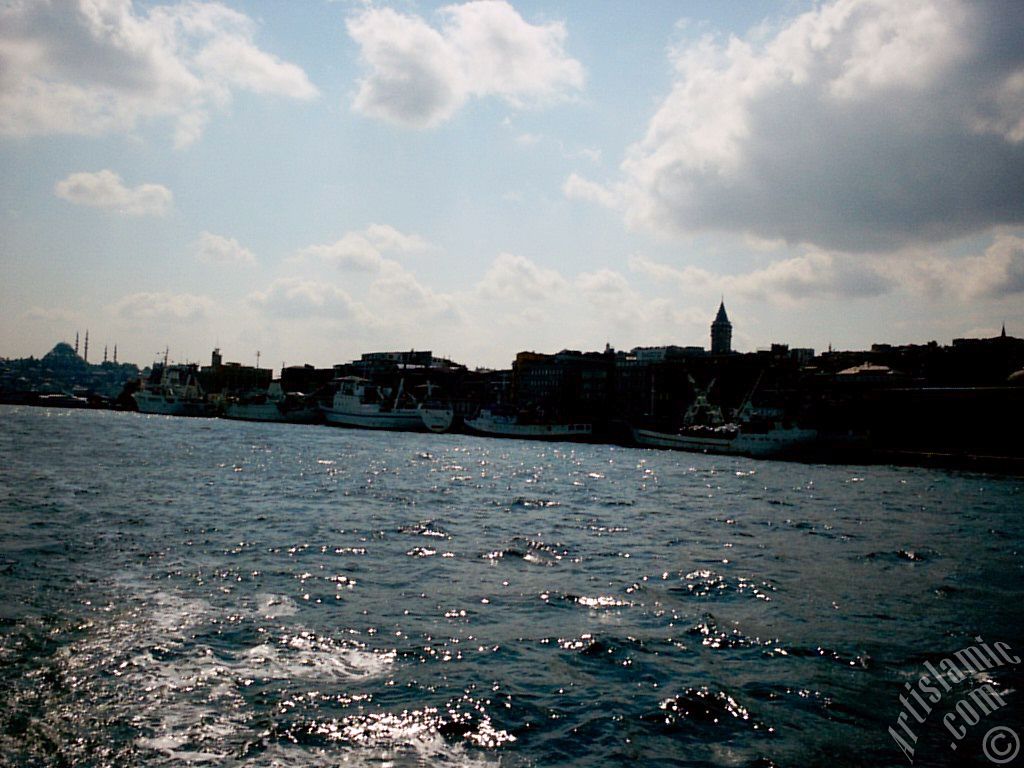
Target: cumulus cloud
164 307
810 276
398 288
419 76
99 66
578 188
106 189
215 249
364 251
997 273
518 279
295 298
862 125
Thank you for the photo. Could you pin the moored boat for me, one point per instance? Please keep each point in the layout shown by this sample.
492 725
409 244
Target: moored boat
496 423
775 440
358 402
273 405
437 413
755 432
173 390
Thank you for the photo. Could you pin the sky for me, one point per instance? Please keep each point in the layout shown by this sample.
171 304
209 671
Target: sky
316 179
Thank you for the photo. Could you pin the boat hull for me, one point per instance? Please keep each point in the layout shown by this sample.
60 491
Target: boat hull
158 404
773 443
271 412
402 420
437 419
489 427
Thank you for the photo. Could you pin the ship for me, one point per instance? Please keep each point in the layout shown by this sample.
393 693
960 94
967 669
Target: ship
274 404
173 390
437 412
772 440
755 432
358 402
497 422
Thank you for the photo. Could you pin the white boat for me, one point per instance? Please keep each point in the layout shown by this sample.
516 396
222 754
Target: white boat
492 423
273 405
173 390
437 418
756 432
731 439
438 414
359 402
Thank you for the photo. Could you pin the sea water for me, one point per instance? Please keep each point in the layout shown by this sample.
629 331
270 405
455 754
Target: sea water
200 592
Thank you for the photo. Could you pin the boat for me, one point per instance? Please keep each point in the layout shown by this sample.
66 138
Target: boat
173 390
437 413
272 405
772 441
358 402
755 432
495 422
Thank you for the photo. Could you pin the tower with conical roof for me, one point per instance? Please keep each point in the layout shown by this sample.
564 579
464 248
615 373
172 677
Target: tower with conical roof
721 332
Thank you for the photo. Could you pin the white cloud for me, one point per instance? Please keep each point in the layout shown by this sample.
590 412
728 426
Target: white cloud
399 290
364 251
295 298
860 126
420 76
99 66
515 278
578 188
997 273
105 189
163 308
810 276
216 249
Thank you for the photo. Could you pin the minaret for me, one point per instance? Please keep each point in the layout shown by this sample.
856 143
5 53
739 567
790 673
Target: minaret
76 342
104 354
721 332
86 355
115 354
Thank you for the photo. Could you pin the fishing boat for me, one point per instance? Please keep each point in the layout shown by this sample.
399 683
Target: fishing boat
437 413
358 402
173 390
494 422
740 439
274 404
755 432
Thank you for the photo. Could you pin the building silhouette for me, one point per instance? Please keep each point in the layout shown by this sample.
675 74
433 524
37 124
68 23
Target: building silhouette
721 332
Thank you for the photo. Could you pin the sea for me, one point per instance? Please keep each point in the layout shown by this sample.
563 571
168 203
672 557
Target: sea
198 592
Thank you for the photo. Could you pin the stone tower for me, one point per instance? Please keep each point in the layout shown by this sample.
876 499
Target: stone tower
721 332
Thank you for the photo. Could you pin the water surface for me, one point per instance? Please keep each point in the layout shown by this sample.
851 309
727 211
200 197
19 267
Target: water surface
201 592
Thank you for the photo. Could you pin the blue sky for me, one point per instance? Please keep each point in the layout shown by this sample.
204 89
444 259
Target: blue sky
317 179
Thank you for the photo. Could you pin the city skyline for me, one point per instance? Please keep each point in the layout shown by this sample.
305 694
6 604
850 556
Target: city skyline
487 177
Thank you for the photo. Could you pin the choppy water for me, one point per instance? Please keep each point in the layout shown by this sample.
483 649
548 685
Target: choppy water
190 592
